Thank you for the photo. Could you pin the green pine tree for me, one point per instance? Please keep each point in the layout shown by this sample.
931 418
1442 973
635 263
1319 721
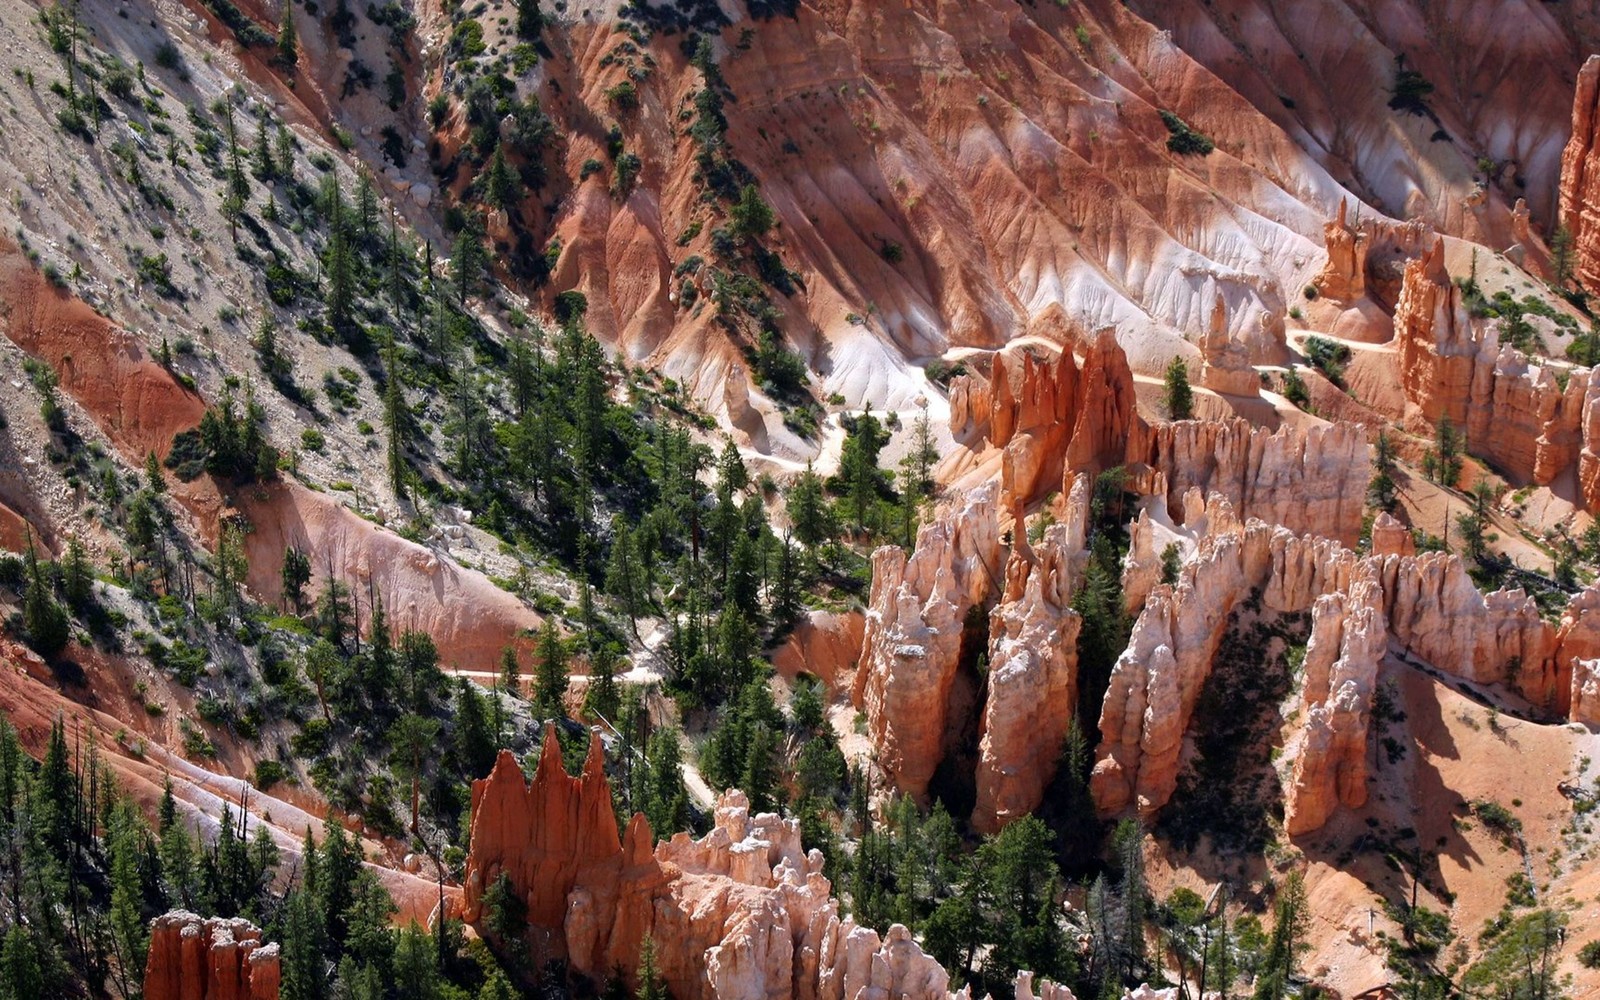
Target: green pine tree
1178 397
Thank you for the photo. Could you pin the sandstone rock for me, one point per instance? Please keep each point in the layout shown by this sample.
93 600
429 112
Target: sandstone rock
1428 605
1311 480
1156 682
1344 276
1033 671
1580 176
1108 414
824 644
540 834
1515 413
1390 537
745 911
1436 613
1578 658
916 618
1226 368
195 958
1049 417
1348 638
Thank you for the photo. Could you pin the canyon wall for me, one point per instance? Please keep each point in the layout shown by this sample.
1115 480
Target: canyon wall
1156 682
917 615
1348 639
1516 414
1426 607
1580 177
1053 419
1049 416
1033 667
195 958
1311 480
746 912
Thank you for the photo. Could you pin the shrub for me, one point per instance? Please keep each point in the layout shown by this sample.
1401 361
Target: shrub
624 96
1589 955
1329 357
1184 140
268 773
941 371
1411 89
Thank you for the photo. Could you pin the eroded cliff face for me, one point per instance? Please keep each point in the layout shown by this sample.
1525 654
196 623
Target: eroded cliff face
1033 668
1367 254
1426 606
1580 177
1348 639
1311 480
917 616
741 912
195 958
1049 416
1515 412
872 124
1157 680
1501 71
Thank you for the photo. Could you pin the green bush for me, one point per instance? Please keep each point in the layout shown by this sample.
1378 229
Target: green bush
1589 955
1184 140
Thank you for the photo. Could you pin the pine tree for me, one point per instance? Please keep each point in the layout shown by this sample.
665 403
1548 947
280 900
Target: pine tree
510 672
129 936
530 19
1442 463
808 510
44 620
1178 397
366 207
474 741
396 421
466 259
296 573
285 147
303 973
550 679
22 968
288 53
622 575
77 576
1128 843
414 738
502 188
651 985
1381 489
1290 921
1561 256
262 164
761 780
339 263
666 803
152 474
601 697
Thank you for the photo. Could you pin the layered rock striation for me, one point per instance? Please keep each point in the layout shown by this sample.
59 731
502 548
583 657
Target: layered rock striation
1425 607
1033 668
1580 176
917 617
1348 639
748 913
1156 682
198 958
1517 414
1049 416
1311 480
